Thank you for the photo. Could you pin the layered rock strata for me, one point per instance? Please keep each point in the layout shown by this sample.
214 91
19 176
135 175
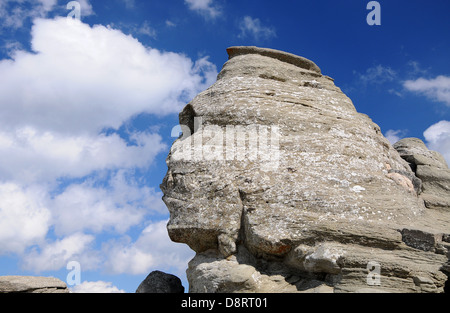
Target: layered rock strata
280 185
431 168
31 284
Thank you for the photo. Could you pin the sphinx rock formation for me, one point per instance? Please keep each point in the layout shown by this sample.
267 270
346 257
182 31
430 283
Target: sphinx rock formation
280 185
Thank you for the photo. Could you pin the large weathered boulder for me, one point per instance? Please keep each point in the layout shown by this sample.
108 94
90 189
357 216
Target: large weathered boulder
159 282
31 284
277 178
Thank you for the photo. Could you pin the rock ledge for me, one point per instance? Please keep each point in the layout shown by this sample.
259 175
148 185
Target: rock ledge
275 54
29 284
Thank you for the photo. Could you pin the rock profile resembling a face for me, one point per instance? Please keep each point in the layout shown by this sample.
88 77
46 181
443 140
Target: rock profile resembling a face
276 173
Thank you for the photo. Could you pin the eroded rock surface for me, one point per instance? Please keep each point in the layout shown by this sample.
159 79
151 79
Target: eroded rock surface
280 185
31 284
431 168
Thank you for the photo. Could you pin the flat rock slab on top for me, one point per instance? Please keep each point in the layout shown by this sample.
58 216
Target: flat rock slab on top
275 54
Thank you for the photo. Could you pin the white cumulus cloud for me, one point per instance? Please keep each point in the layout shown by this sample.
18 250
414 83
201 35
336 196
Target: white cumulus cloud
82 79
119 206
67 172
24 217
153 249
438 138
31 155
55 255
436 89
95 287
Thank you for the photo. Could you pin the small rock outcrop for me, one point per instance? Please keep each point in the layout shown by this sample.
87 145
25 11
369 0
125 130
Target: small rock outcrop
29 284
431 168
280 185
159 282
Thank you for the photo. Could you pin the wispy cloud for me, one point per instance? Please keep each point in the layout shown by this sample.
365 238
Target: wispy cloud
395 135
146 29
10 47
205 7
252 27
436 89
392 91
129 4
14 13
135 29
415 69
170 23
378 74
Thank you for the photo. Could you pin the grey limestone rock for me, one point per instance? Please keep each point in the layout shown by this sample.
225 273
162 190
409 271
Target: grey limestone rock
278 181
31 284
431 168
416 153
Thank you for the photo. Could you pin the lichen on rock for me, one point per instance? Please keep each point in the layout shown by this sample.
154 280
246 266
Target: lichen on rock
275 161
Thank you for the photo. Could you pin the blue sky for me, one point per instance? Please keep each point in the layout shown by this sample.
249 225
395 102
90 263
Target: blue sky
87 109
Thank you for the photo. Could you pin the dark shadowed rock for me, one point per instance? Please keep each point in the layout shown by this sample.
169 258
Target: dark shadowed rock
159 282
